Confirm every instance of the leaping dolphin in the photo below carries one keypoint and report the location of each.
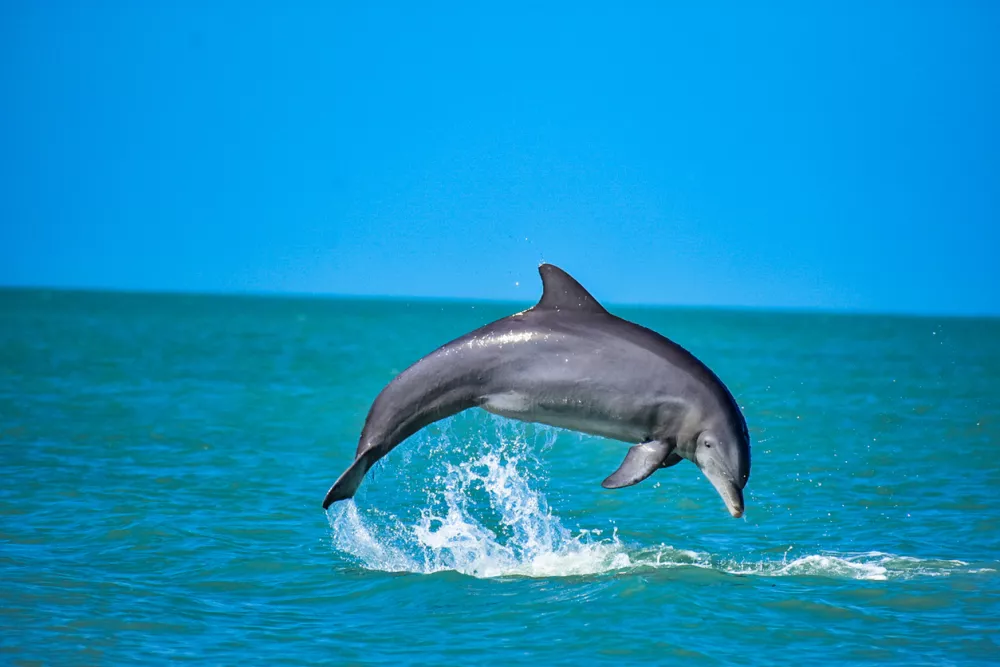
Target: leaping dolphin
(568, 362)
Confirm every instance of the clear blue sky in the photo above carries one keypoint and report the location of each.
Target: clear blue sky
(823, 155)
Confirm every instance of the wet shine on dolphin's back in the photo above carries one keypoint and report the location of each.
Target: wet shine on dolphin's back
(566, 358)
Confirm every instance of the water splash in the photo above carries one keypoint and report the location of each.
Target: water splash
(489, 520)
(488, 516)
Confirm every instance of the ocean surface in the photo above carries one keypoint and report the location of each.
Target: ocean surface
(164, 459)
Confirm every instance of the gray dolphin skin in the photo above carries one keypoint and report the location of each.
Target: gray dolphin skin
(568, 362)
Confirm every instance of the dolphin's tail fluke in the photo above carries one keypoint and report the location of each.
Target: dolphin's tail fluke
(347, 485)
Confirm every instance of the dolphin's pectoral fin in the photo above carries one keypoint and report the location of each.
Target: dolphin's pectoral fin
(641, 461)
(672, 459)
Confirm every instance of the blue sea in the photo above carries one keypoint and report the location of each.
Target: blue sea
(164, 459)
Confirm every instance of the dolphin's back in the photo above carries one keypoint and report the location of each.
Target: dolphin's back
(599, 374)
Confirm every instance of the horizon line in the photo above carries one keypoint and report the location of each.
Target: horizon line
(264, 294)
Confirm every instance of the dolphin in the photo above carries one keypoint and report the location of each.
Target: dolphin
(569, 363)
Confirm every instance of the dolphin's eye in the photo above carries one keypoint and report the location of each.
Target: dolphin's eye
(708, 444)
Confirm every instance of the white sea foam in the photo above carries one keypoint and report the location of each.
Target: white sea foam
(525, 539)
(872, 566)
(517, 534)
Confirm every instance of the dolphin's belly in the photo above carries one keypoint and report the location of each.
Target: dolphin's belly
(568, 414)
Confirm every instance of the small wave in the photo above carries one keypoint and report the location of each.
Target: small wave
(871, 566)
(490, 519)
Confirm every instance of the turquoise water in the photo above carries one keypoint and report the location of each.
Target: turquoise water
(164, 459)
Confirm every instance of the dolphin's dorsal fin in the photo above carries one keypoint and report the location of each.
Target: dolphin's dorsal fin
(560, 291)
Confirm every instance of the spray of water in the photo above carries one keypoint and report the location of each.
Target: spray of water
(487, 516)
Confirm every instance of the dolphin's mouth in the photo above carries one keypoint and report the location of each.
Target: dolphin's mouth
(731, 494)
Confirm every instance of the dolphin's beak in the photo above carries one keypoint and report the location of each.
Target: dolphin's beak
(731, 493)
